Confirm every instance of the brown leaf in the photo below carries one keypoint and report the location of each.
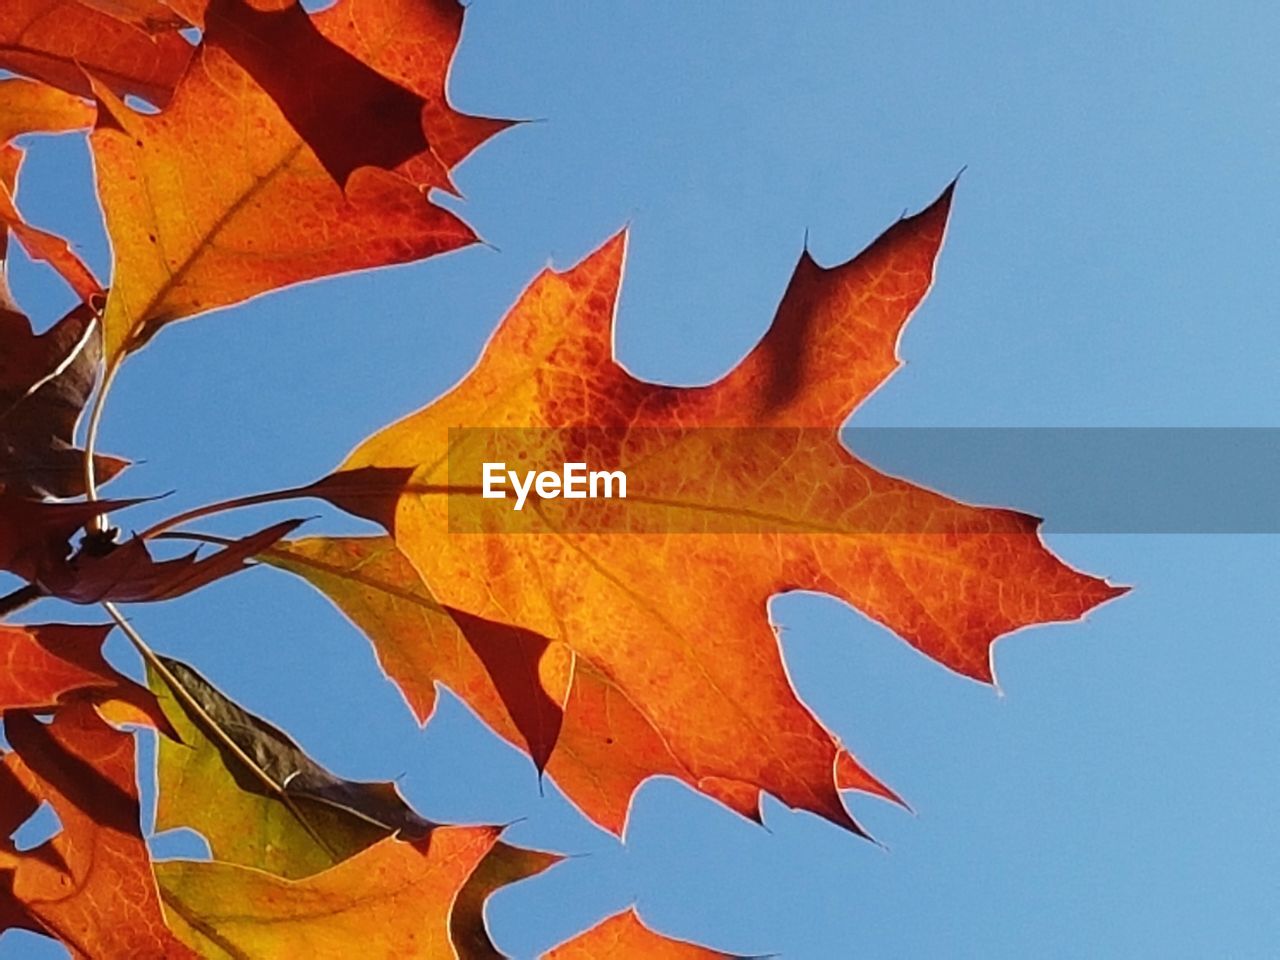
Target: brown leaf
(36, 535)
(63, 41)
(127, 573)
(91, 885)
(254, 794)
(44, 383)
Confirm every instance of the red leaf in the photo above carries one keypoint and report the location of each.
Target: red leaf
(91, 886)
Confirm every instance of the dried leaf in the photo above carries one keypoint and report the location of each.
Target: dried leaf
(256, 797)
(127, 573)
(676, 618)
(44, 383)
(36, 535)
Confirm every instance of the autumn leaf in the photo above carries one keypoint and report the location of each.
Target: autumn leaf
(127, 573)
(606, 746)
(675, 618)
(63, 42)
(91, 885)
(622, 937)
(149, 15)
(253, 794)
(349, 114)
(189, 236)
(44, 383)
(393, 900)
(35, 535)
(27, 106)
(44, 666)
(39, 244)
(502, 865)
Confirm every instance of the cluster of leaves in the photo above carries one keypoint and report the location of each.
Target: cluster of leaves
(609, 657)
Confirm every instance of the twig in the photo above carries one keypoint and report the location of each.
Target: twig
(24, 596)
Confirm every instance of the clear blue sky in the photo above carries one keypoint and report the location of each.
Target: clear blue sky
(1112, 260)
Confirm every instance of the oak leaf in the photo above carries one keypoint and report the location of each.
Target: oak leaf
(63, 42)
(91, 885)
(189, 235)
(36, 535)
(47, 665)
(27, 106)
(44, 383)
(127, 573)
(606, 746)
(253, 794)
(394, 900)
(622, 937)
(39, 244)
(675, 618)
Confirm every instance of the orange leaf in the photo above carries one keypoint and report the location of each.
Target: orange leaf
(27, 106)
(190, 235)
(412, 42)
(606, 747)
(43, 666)
(61, 41)
(674, 617)
(348, 113)
(393, 900)
(149, 15)
(622, 937)
(40, 244)
(91, 885)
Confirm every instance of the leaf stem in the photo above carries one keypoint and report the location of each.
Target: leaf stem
(252, 500)
(100, 522)
(211, 728)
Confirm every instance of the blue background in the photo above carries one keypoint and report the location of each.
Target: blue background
(1112, 260)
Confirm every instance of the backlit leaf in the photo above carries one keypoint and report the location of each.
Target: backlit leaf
(676, 617)
(622, 937)
(62, 42)
(391, 901)
(257, 798)
(43, 666)
(91, 885)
